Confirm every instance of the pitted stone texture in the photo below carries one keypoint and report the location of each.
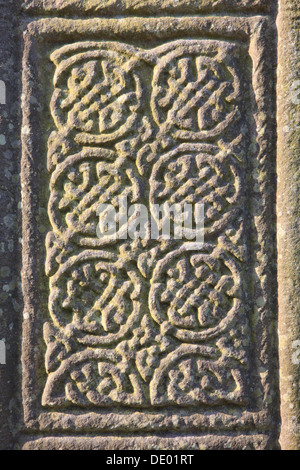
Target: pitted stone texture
(139, 7)
(192, 443)
(288, 221)
(100, 297)
(10, 221)
(149, 335)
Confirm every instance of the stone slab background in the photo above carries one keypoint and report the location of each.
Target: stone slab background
(11, 230)
(288, 220)
(13, 17)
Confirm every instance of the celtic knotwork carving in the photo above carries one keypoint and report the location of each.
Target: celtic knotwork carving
(97, 377)
(196, 90)
(145, 322)
(95, 89)
(189, 380)
(81, 183)
(96, 295)
(193, 174)
(197, 294)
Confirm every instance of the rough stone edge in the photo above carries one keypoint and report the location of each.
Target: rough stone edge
(191, 443)
(143, 7)
(288, 231)
(10, 221)
(288, 220)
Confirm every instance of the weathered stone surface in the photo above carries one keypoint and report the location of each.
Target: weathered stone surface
(151, 328)
(241, 442)
(288, 221)
(10, 223)
(148, 336)
(100, 7)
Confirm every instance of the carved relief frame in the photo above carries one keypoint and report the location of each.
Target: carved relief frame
(161, 370)
(253, 36)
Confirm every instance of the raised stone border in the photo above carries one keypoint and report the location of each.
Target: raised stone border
(288, 206)
(288, 248)
(144, 7)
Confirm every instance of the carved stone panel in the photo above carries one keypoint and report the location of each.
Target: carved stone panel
(124, 323)
(143, 335)
(156, 304)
